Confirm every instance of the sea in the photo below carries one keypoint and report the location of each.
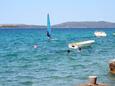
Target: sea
(49, 64)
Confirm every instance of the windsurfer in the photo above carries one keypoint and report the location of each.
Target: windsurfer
(49, 36)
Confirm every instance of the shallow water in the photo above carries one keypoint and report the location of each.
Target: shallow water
(50, 64)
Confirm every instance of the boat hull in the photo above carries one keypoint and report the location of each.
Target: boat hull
(100, 34)
(83, 44)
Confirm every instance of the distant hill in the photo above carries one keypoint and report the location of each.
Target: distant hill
(93, 24)
(21, 26)
(99, 24)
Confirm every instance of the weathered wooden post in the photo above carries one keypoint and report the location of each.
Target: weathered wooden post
(92, 80)
(112, 66)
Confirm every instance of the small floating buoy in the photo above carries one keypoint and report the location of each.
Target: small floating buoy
(112, 66)
(93, 82)
(68, 51)
(35, 46)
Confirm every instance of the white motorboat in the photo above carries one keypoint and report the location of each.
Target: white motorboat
(77, 45)
(100, 34)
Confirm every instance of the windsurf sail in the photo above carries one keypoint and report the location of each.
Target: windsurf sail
(48, 27)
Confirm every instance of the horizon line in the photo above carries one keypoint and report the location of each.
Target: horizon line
(53, 24)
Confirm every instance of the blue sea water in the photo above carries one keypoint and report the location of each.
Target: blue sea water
(50, 64)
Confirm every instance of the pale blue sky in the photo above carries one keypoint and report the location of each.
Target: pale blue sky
(35, 11)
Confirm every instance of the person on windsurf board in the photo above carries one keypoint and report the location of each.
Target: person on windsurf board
(48, 33)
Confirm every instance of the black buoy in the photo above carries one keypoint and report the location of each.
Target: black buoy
(68, 51)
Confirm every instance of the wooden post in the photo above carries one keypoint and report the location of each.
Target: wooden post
(112, 66)
(92, 80)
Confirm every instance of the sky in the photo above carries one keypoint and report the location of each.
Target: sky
(35, 11)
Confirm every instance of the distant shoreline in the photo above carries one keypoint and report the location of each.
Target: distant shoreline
(99, 24)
